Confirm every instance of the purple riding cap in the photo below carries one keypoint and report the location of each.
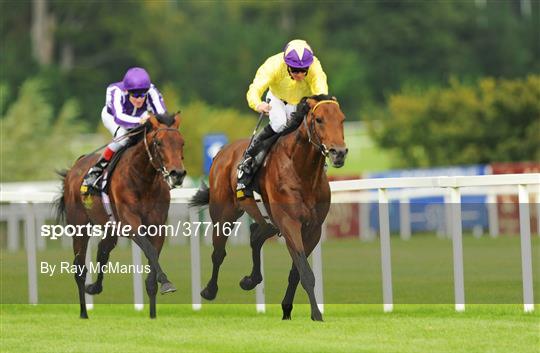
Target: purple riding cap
(119, 106)
(298, 54)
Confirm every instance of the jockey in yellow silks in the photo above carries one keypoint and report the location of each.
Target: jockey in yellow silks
(289, 76)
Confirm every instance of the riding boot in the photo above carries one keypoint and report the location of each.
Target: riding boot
(91, 179)
(248, 166)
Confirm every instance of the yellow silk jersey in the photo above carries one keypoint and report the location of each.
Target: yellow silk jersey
(273, 74)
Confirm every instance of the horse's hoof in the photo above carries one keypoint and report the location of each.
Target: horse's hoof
(93, 288)
(316, 316)
(287, 310)
(167, 287)
(209, 293)
(247, 283)
(84, 316)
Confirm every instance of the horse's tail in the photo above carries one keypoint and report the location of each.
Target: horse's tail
(201, 197)
(59, 202)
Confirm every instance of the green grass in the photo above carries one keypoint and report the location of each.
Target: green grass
(237, 328)
(424, 319)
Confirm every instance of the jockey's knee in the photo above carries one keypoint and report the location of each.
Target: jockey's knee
(278, 126)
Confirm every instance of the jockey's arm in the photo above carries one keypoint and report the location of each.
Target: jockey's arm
(260, 83)
(156, 100)
(118, 110)
(317, 78)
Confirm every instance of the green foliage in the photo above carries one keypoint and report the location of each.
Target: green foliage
(200, 119)
(210, 50)
(490, 121)
(34, 136)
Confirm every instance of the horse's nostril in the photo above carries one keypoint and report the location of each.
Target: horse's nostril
(178, 173)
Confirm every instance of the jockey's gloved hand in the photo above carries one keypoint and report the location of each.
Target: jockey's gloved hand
(263, 107)
(144, 118)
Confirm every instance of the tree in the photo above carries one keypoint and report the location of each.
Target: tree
(490, 121)
(33, 141)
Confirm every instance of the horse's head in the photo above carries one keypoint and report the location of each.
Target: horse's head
(165, 147)
(323, 123)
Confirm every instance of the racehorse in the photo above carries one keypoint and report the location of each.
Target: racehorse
(139, 195)
(295, 191)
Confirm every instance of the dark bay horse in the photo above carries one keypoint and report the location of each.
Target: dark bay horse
(295, 191)
(139, 195)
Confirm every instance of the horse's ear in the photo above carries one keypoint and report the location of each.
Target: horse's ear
(177, 119)
(153, 120)
(311, 102)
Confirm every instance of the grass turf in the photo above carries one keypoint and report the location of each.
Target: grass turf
(237, 328)
(422, 275)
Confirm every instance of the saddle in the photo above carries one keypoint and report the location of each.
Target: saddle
(108, 171)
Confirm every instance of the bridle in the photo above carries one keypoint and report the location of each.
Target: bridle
(161, 168)
(318, 143)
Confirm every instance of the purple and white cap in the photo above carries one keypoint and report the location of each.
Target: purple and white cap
(298, 54)
(136, 78)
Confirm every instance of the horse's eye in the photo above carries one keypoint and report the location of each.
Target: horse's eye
(318, 120)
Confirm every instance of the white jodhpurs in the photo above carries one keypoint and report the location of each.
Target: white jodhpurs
(279, 113)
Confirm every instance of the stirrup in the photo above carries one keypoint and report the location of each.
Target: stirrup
(89, 187)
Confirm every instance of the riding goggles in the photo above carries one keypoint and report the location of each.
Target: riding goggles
(298, 70)
(138, 93)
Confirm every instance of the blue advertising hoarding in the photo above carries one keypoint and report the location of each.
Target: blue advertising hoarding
(212, 144)
(428, 213)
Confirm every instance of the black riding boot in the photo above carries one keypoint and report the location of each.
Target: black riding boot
(248, 166)
(90, 181)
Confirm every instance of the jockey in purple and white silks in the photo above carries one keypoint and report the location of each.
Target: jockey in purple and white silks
(126, 106)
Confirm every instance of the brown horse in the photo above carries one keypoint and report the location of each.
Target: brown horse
(295, 191)
(139, 195)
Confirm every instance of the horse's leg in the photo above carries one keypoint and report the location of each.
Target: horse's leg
(287, 302)
(151, 279)
(146, 246)
(105, 247)
(228, 215)
(294, 277)
(259, 234)
(79, 249)
(293, 236)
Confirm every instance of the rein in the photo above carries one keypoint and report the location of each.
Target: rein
(318, 144)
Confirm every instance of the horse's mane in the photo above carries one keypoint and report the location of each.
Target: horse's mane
(303, 107)
(165, 118)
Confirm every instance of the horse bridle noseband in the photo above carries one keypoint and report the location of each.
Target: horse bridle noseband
(159, 158)
(321, 146)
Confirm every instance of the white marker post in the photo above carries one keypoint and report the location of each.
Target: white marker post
(526, 253)
(136, 256)
(259, 290)
(459, 287)
(195, 253)
(88, 298)
(318, 272)
(386, 262)
(30, 237)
